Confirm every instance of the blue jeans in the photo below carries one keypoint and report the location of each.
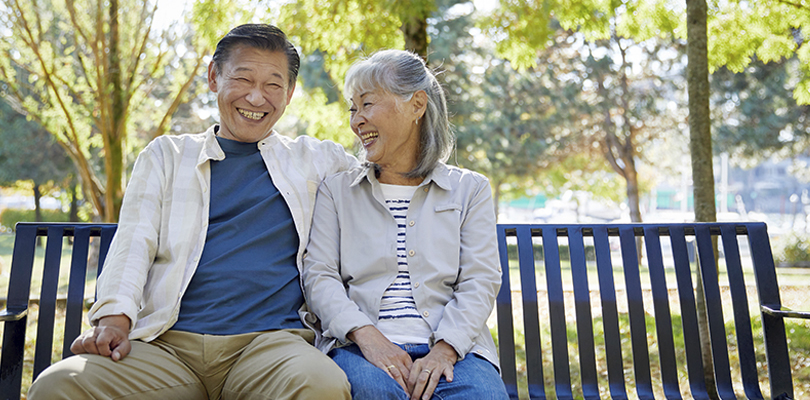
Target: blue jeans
(473, 377)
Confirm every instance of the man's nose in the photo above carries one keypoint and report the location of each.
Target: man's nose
(255, 97)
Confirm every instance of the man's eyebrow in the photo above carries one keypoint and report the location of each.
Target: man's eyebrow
(248, 69)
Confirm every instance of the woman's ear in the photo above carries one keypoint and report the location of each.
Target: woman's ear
(419, 102)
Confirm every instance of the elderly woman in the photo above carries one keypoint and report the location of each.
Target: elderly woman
(402, 262)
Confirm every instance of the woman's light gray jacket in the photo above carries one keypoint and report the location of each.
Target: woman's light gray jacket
(452, 256)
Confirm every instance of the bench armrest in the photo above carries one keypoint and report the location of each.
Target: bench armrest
(8, 315)
(784, 312)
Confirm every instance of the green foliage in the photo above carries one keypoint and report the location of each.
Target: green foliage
(755, 115)
(792, 248)
(582, 173)
(90, 75)
(324, 120)
(740, 32)
(10, 216)
(214, 18)
(28, 152)
(342, 29)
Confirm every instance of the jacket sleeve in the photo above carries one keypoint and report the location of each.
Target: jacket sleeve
(479, 278)
(132, 251)
(323, 285)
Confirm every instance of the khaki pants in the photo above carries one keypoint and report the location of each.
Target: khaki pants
(180, 365)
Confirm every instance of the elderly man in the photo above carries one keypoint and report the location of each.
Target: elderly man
(200, 295)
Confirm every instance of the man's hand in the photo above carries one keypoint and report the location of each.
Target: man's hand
(428, 370)
(378, 350)
(110, 338)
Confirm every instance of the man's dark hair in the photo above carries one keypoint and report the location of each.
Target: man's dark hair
(259, 36)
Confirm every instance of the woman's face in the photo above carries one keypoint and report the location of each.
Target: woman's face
(388, 127)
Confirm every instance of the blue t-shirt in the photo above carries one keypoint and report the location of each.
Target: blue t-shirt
(247, 278)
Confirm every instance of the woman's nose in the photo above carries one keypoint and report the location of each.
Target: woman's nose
(356, 121)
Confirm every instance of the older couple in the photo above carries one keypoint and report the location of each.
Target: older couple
(201, 294)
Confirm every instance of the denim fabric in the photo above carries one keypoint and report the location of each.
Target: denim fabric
(473, 377)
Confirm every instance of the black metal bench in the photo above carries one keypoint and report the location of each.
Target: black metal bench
(585, 247)
(674, 330)
(15, 316)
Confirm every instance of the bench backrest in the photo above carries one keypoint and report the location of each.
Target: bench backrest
(17, 301)
(596, 262)
(655, 318)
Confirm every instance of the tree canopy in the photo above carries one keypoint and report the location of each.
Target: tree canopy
(87, 71)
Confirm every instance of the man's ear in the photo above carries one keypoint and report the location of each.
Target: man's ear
(213, 74)
(419, 102)
(290, 92)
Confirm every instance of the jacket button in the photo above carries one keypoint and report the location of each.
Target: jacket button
(425, 189)
(412, 223)
(415, 285)
(411, 253)
(426, 314)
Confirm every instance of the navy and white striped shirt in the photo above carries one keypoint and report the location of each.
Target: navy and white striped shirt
(399, 319)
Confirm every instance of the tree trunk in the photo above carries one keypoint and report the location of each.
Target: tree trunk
(73, 214)
(37, 205)
(37, 209)
(114, 157)
(700, 147)
(415, 30)
(633, 199)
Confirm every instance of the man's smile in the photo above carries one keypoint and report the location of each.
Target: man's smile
(251, 114)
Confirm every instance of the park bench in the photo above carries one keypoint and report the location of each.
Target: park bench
(599, 262)
(649, 319)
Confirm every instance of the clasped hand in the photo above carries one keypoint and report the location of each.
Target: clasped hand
(110, 338)
(420, 377)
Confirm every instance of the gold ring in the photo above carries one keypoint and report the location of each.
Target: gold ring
(426, 370)
(390, 367)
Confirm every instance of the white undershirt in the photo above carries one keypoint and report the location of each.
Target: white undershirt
(399, 319)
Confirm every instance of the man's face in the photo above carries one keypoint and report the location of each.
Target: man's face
(252, 92)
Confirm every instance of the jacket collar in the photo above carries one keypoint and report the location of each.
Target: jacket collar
(212, 150)
(440, 175)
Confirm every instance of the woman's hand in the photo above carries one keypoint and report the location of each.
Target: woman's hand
(378, 350)
(427, 371)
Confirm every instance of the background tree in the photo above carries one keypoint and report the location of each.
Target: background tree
(29, 153)
(755, 115)
(86, 71)
(735, 32)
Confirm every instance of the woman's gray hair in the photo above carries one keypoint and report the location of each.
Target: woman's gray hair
(403, 73)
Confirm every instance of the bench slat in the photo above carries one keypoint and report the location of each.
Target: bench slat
(742, 321)
(531, 322)
(582, 303)
(689, 319)
(47, 299)
(610, 314)
(635, 308)
(714, 311)
(663, 317)
(76, 285)
(556, 311)
(506, 338)
(773, 327)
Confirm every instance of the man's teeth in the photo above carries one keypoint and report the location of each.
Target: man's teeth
(251, 114)
(368, 137)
